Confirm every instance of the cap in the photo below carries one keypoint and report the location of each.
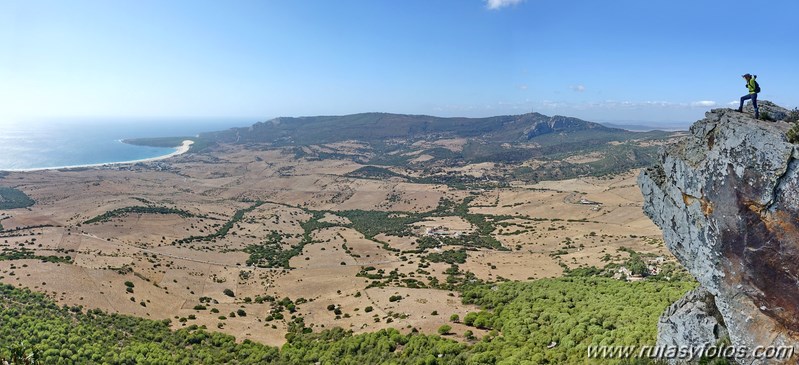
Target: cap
(746, 75)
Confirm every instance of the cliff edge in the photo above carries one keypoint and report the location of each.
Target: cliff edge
(727, 200)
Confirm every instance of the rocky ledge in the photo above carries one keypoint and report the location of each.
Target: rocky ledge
(727, 200)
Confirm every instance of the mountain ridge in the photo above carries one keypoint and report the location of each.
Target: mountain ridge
(525, 147)
(362, 127)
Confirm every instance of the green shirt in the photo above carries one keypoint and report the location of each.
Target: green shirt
(751, 85)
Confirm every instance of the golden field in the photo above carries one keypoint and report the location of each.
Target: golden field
(545, 226)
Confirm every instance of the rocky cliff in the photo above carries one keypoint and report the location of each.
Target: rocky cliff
(727, 200)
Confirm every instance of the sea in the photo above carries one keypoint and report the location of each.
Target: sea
(54, 143)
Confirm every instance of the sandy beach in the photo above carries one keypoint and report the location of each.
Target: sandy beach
(183, 148)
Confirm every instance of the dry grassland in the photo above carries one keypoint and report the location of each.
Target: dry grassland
(549, 227)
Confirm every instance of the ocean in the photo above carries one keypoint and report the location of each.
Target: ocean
(70, 142)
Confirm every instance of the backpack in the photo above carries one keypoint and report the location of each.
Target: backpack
(757, 86)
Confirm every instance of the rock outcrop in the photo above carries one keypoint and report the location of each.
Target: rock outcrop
(727, 200)
(693, 319)
(767, 108)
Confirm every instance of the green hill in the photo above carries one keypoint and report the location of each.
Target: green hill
(371, 127)
(388, 140)
(397, 139)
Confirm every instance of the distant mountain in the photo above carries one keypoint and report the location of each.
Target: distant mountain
(646, 128)
(382, 126)
(527, 147)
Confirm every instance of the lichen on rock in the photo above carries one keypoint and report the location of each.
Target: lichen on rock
(693, 319)
(727, 200)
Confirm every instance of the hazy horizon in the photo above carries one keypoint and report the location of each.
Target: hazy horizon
(615, 62)
(212, 124)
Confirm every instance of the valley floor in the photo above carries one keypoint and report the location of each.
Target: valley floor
(242, 240)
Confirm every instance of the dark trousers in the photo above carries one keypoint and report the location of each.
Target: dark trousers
(754, 103)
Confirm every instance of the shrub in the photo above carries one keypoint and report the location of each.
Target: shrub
(229, 293)
(454, 318)
(793, 116)
(793, 134)
(470, 318)
(444, 330)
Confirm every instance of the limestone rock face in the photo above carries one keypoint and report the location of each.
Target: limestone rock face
(692, 320)
(774, 111)
(727, 200)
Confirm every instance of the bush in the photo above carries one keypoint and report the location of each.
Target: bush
(229, 293)
(444, 330)
(793, 134)
(470, 318)
(793, 116)
(454, 318)
(469, 335)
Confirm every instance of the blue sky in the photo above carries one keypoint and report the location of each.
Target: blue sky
(617, 60)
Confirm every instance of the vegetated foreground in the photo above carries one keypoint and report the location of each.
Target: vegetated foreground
(257, 242)
(544, 321)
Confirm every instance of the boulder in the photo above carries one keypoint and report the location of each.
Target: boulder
(693, 320)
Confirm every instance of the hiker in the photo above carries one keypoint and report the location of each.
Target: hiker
(754, 88)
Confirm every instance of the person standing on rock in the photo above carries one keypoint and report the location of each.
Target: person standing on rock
(754, 88)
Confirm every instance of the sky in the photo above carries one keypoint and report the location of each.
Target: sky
(627, 61)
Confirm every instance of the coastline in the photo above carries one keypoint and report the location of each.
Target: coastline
(183, 148)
